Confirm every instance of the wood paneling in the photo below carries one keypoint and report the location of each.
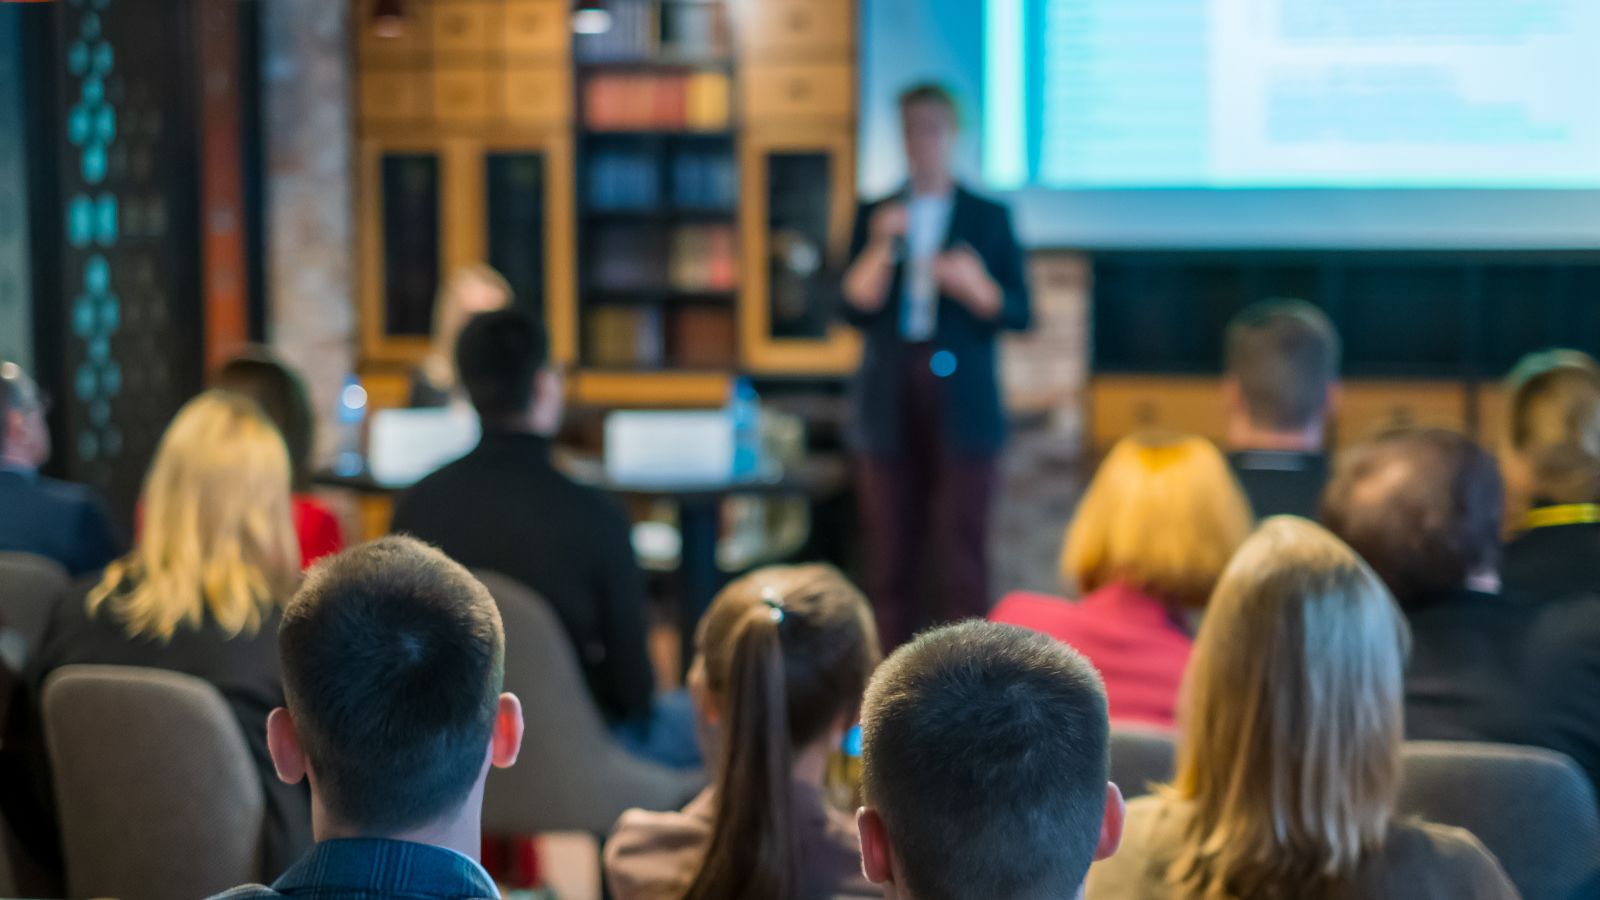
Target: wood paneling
(466, 29)
(394, 96)
(1368, 407)
(666, 389)
(465, 95)
(1122, 405)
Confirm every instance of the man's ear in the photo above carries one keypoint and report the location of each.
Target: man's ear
(877, 857)
(507, 740)
(1232, 396)
(1335, 403)
(283, 745)
(1111, 825)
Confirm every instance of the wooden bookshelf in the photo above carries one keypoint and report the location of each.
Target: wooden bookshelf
(667, 196)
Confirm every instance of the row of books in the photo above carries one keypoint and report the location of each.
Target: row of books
(631, 180)
(687, 258)
(616, 101)
(633, 337)
(703, 258)
(651, 29)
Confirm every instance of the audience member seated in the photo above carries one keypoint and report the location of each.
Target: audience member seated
(54, 519)
(1550, 453)
(1154, 530)
(985, 766)
(1281, 376)
(782, 658)
(506, 507)
(468, 291)
(282, 396)
(393, 658)
(1289, 752)
(202, 589)
(1424, 507)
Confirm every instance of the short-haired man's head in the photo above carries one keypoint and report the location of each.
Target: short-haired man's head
(393, 660)
(1284, 356)
(1423, 507)
(1177, 486)
(499, 356)
(930, 93)
(18, 394)
(985, 754)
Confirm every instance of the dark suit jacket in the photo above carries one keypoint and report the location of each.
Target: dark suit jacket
(506, 508)
(975, 417)
(1553, 562)
(1489, 668)
(244, 669)
(1280, 483)
(362, 868)
(56, 519)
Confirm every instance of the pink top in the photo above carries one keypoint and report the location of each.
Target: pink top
(1140, 650)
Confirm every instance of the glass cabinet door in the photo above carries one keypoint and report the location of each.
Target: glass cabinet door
(798, 198)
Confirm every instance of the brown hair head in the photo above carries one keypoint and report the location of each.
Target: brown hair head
(1422, 506)
(784, 654)
(259, 375)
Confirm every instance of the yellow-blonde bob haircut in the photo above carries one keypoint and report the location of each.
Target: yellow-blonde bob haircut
(1290, 721)
(1163, 514)
(216, 534)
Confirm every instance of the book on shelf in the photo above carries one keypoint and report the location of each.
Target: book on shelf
(624, 180)
(627, 257)
(632, 35)
(627, 101)
(702, 258)
(624, 337)
(703, 338)
(703, 179)
(695, 29)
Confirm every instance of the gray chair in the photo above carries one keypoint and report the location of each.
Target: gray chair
(1533, 808)
(29, 588)
(1141, 756)
(571, 776)
(155, 788)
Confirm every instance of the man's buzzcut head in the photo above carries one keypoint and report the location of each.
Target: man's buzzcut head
(393, 660)
(1284, 355)
(985, 753)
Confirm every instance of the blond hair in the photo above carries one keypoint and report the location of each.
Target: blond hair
(449, 317)
(216, 535)
(1551, 439)
(1163, 514)
(1291, 720)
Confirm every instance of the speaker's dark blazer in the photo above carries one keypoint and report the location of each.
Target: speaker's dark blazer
(964, 345)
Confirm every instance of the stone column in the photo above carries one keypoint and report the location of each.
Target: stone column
(307, 78)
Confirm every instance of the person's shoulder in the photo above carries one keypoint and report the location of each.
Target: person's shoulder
(1138, 869)
(1452, 853)
(982, 201)
(655, 854)
(247, 892)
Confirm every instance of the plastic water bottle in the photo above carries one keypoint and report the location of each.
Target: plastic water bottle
(349, 462)
(744, 410)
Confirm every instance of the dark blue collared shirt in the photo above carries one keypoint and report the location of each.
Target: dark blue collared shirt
(371, 868)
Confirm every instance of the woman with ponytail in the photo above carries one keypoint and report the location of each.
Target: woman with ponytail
(782, 658)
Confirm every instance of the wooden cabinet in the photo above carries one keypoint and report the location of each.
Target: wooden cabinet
(464, 95)
(394, 97)
(789, 29)
(431, 205)
(798, 198)
(801, 93)
(536, 30)
(538, 96)
(465, 28)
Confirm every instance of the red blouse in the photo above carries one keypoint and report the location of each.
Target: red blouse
(1140, 650)
(317, 529)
